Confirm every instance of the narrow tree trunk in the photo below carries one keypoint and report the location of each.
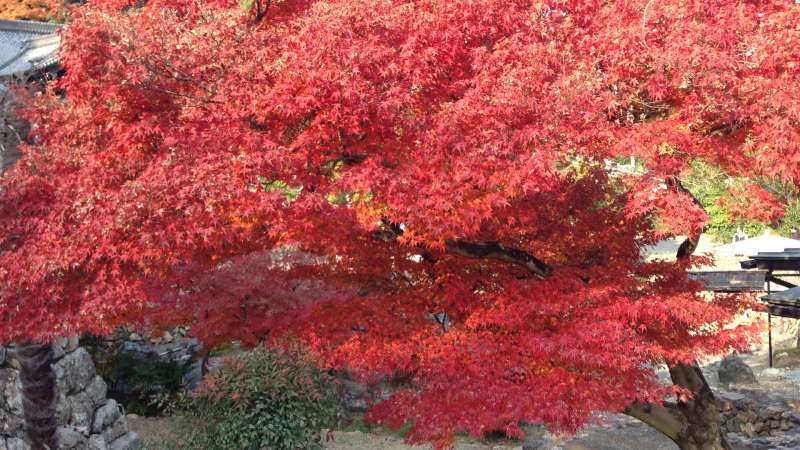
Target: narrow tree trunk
(38, 394)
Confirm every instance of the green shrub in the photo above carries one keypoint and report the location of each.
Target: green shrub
(264, 399)
(709, 184)
(791, 220)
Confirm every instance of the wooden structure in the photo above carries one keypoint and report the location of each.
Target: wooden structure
(28, 53)
(778, 266)
(27, 48)
(731, 280)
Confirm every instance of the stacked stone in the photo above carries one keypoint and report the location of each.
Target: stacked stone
(86, 419)
(757, 424)
(740, 414)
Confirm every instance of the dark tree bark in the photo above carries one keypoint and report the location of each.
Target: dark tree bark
(38, 394)
(702, 430)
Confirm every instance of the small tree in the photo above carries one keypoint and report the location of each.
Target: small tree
(433, 172)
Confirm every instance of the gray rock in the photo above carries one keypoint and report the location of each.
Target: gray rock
(355, 396)
(182, 350)
(11, 359)
(771, 372)
(97, 442)
(105, 416)
(11, 391)
(193, 376)
(58, 351)
(74, 371)
(97, 391)
(64, 345)
(731, 396)
(732, 370)
(17, 444)
(63, 408)
(792, 375)
(81, 412)
(70, 438)
(772, 411)
(534, 436)
(138, 350)
(128, 441)
(11, 425)
(117, 429)
(72, 344)
(3, 353)
(7, 376)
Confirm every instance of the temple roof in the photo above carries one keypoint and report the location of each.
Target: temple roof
(27, 47)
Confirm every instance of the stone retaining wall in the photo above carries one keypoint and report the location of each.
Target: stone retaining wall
(86, 419)
(757, 422)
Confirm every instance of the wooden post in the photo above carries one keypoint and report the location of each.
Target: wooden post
(769, 322)
(769, 331)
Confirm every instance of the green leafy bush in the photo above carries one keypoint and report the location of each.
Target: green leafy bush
(709, 184)
(264, 399)
(791, 220)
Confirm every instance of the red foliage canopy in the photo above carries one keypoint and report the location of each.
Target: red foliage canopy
(413, 187)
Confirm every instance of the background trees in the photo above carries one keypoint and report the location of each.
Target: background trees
(413, 188)
(24, 9)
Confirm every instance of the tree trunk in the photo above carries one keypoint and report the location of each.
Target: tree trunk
(38, 394)
(702, 430)
(692, 424)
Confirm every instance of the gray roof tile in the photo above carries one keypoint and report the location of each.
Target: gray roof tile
(27, 46)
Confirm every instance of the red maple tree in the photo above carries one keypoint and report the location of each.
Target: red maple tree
(417, 188)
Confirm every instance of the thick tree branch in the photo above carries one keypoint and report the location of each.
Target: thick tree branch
(477, 250)
(665, 419)
(261, 10)
(675, 183)
(689, 245)
(495, 250)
